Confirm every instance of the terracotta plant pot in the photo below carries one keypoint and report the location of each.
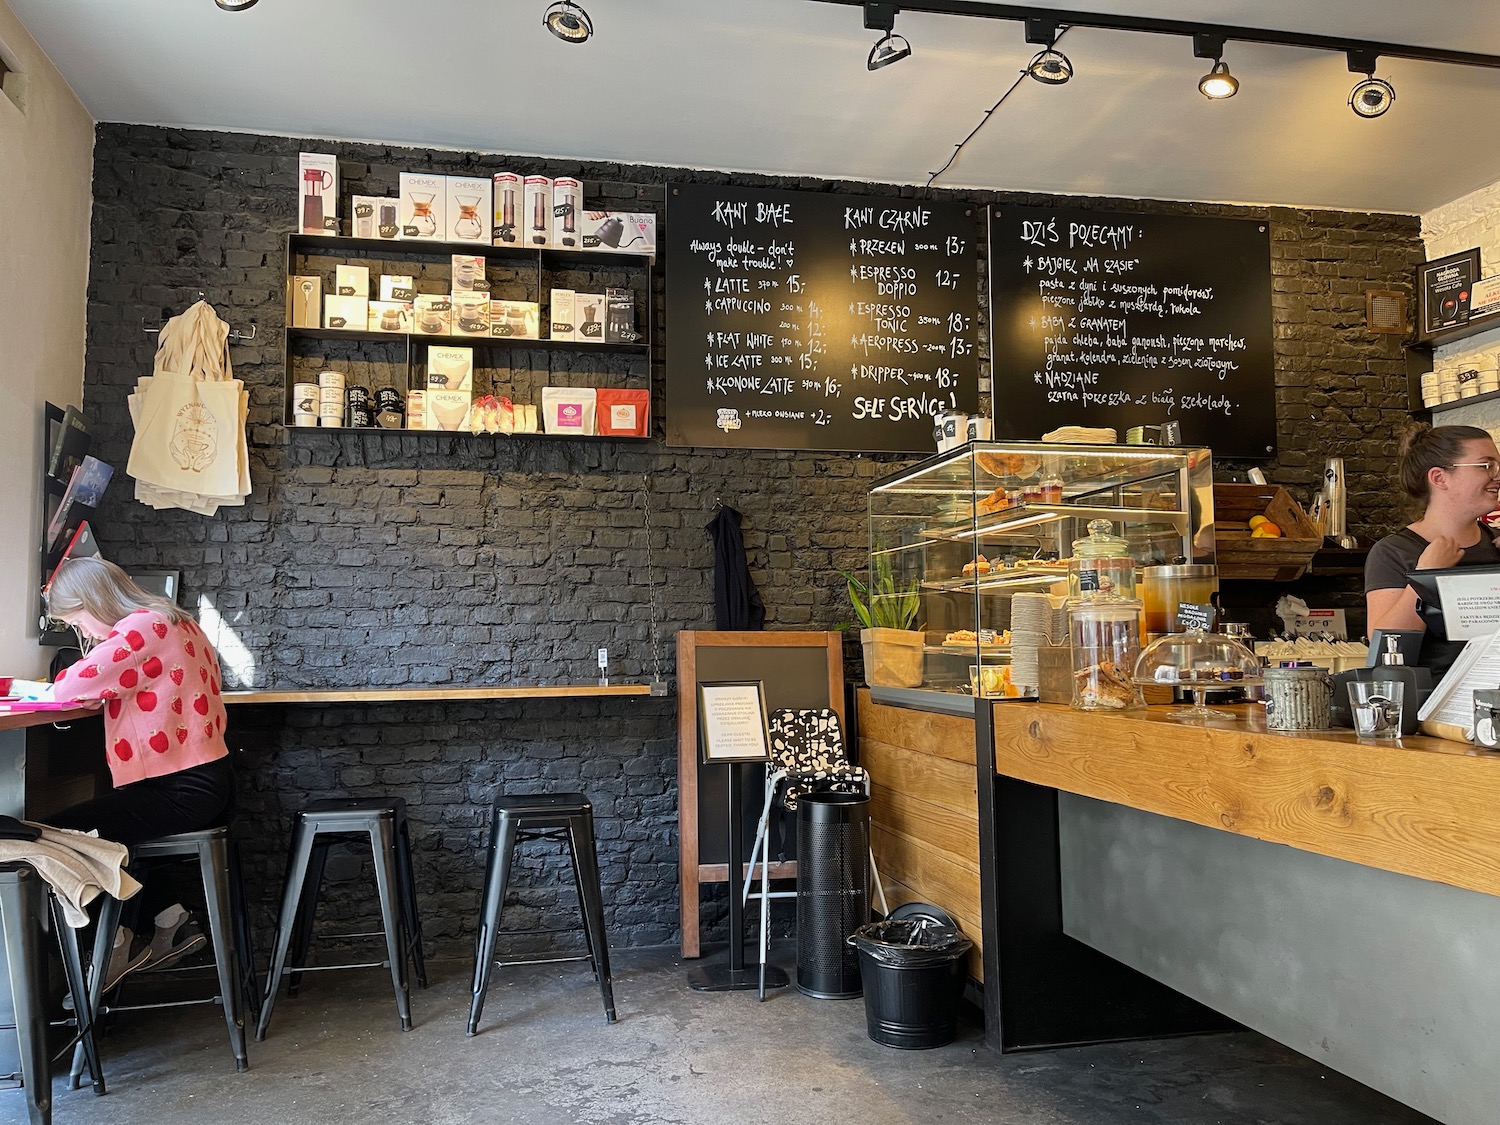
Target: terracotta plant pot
(893, 657)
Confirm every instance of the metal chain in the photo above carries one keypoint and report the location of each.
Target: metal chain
(651, 584)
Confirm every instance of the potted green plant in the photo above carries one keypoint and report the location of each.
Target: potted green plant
(887, 612)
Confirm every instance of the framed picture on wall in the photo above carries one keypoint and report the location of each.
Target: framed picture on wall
(1445, 289)
(732, 721)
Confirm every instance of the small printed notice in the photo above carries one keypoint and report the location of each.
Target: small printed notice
(1193, 616)
(732, 721)
(1470, 601)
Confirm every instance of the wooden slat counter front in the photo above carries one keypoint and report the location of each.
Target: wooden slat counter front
(1418, 806)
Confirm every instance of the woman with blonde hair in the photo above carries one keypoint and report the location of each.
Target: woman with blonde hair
(159, 681)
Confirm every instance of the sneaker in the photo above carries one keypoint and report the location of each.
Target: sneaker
(128, 955)
(170, 946)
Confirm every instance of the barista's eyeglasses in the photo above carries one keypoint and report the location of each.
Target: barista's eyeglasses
(1489, 465)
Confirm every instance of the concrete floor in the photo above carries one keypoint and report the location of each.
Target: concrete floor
(545, 1056)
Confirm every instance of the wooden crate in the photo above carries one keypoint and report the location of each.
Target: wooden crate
(1240, 556)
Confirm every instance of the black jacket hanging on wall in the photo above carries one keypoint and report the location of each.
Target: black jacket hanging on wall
(737, 603)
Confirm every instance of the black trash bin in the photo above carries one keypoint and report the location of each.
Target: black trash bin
(833, 891)
(913, 970)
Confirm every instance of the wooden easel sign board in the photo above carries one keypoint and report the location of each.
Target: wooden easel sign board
(795, 669)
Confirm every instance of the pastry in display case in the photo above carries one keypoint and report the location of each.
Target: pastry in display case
(974, 526)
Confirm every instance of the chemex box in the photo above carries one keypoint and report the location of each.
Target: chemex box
(424, 203)
(450, 369)
(509, 195)
(318, 192)
(469, 209)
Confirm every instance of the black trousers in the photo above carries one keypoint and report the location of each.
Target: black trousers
(185, 801)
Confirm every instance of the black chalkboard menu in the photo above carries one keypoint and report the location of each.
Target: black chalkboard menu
(797, 320)
(1117, 320)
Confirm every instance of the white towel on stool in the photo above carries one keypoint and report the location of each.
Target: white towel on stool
(77, 866)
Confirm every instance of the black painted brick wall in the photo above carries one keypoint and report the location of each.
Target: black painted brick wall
(388, 559)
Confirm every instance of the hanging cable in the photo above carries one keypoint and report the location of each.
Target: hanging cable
(958, 148)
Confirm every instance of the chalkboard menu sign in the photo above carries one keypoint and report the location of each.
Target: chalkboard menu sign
(798, 320)
(1119, 320)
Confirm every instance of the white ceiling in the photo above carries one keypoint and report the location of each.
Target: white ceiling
(780, 86)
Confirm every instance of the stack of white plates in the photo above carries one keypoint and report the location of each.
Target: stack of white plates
(1081, 435)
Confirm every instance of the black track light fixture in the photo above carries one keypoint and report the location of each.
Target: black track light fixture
(568, 22)
(1049, 65)
(235, 5)
(1218, 83)
(891, 47)
(1371, 96)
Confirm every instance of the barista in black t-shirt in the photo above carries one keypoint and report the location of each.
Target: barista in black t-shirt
(1454, 472)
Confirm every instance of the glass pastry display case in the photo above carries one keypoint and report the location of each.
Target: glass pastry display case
(971, 528)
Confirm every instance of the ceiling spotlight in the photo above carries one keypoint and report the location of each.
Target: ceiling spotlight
(568, 22)
(1048, 65)
(891, 47)
(1218, 83)
(235, 5)
(1371, 96)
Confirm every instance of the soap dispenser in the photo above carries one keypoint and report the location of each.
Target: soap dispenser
(1392, 669)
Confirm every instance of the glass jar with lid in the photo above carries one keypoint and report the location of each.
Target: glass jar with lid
(1101, 568)
(1106, 639)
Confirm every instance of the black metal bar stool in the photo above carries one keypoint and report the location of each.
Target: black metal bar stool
(22, 896)
(566, 817)
(314, 830)
(228, 927)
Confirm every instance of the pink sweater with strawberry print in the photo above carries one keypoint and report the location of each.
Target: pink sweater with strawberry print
(160, 687)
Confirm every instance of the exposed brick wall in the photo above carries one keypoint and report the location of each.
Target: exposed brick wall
(389, 559)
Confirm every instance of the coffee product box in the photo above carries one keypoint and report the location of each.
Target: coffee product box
(471, 314)
(508, 199)
(351, 281)
(518, 320)
(450, 369)
(304, 301)
(397, 287)
(448, 410)
(621, 232)
(390, 316)
(318, 193)
(537, 214)
(432, 314)
(375, 217)
(469, 211)
(567, 211)
(424, 207)
(619, 317)
(468, 274)
(588, 317)
(349, 313)
(560, 315)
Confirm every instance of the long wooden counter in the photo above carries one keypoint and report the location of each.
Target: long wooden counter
(1418, 806)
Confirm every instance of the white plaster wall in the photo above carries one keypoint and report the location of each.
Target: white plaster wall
(46, 182)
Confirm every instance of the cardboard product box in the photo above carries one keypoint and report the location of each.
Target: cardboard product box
(471, 314)
(348, 313)
(619, 317)
(508, 202)
(317, 193)
(623, 232)
(450, 369)
(536, 218)
(424, 207)
(517, 320)
(560, 315)
(432, 315)
(567, 211)
(468, 274)
(469, 210)
(351, 281)
(588, 317)
(375, 217)
(448, 410)
(390, 316)
(304, 301)
(397, 287)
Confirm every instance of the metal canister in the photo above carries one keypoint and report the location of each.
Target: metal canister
(1297, 696)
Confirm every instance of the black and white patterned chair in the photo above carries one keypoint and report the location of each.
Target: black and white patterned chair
(807, 756)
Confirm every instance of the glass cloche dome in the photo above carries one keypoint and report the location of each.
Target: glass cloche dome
(1199, 662)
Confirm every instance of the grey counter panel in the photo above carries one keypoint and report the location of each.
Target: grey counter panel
(1392, 980)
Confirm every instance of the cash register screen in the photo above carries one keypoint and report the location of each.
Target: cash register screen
(1468, 596)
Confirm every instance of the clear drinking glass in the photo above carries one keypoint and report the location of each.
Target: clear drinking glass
(1376, 705)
